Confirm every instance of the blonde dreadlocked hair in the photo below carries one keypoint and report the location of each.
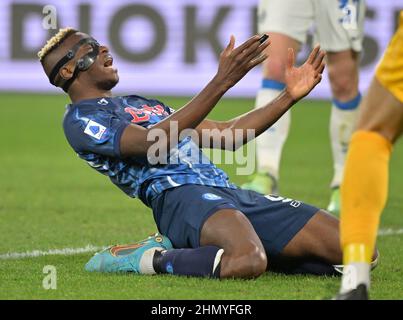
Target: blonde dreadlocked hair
(55, 41)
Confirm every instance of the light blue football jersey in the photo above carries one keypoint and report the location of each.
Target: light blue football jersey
(94, 127)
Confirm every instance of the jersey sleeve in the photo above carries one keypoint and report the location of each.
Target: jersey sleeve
(96, 132)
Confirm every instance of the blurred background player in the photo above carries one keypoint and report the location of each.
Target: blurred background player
(339, 30)
(365, 186)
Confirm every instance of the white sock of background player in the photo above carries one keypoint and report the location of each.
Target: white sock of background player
(269, 145)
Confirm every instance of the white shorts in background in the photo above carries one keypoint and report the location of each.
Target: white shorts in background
(338, 24)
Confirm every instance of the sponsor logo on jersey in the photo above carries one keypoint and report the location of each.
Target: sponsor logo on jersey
(211, 196)
(95, 129)
(144, 112)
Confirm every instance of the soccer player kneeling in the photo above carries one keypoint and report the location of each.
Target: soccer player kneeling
(210, 226)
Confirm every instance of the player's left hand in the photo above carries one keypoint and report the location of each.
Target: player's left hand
(301, 80)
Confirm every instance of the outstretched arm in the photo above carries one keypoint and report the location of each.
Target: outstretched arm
(299, 82)
(234, 64)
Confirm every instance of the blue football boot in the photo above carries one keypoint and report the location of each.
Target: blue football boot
(130, 257)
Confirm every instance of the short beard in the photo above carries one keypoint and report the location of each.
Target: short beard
(106, 85)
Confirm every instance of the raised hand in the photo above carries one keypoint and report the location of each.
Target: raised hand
(301, 80)
(234, 64)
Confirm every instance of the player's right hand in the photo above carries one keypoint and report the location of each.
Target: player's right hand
(301, 80)
(234, 64)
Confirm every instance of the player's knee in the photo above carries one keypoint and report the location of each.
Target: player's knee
(275, 70)
(344, 84)
(258, 264)
(248, 265)
(344, 87)
(253, 264)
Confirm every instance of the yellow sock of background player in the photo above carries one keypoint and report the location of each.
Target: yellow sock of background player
(364, 192)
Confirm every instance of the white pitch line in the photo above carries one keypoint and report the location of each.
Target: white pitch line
(51, 252)
(390, 232)
(91, 248)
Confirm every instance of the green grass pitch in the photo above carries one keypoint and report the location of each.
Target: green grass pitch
(50, 199)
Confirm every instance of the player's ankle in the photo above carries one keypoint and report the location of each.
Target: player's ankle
(355, 274)
(357, 252)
